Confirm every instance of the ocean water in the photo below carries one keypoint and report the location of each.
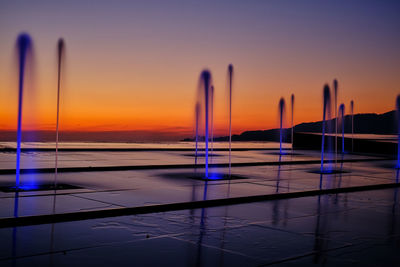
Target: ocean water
(139, 145)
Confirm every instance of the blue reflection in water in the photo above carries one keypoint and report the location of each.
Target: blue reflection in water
(278, 177)
(14, 234)
(215, 176)
(202, 228)
(30, 182)
(29, 187)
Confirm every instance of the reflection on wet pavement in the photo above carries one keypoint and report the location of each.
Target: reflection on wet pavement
(356, 228)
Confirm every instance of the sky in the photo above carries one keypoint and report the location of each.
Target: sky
(135, 65)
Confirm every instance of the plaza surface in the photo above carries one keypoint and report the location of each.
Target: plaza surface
(277, 210)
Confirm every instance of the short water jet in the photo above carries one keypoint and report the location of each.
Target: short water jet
(341, 116)
(352, 124)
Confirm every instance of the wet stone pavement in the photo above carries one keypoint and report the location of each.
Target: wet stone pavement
(330, 229)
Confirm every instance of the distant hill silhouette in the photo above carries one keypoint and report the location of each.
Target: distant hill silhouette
(370, 123)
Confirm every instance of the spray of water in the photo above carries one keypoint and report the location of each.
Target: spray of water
(341, 115)
(325, 117)
(197, 115)
(292, 119)
(60, 55)
(230, 77)
(352, 124)
(24, 46)
(335, 88)
(398, 130)
(205, 85)
(281, 114)
(212, 120)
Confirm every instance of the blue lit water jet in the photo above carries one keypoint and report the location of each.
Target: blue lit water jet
(230, 77)
(341, 116)
(325, 118)
(212, 120)
(24, 46)
(398, 130)
(60, 54)
(292, 119)
(205, 84)
(281, 114)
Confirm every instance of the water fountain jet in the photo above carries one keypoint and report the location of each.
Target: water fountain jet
(24, 46)
(352, 124)
(230, 77)
(60, 54)
(197, 114)
(292, 119)
(398, 130)
(205, 84)
(341, 115)
(335, 88)
(325, 118)
(281, 114)
(212, 120)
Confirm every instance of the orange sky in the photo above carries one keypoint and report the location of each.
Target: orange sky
(141, 73)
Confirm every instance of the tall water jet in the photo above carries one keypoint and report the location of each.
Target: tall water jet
(398, 130)
(281, 114)
(205, 82)
(212, 120)
(341, 115)
(325, 117)
(60, 54)
(335, 88)
(24, 46)
(352, 124)
(292, 119)
(197, 115)
(230, 77)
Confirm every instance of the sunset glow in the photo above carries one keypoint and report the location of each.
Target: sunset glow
(135, 66)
